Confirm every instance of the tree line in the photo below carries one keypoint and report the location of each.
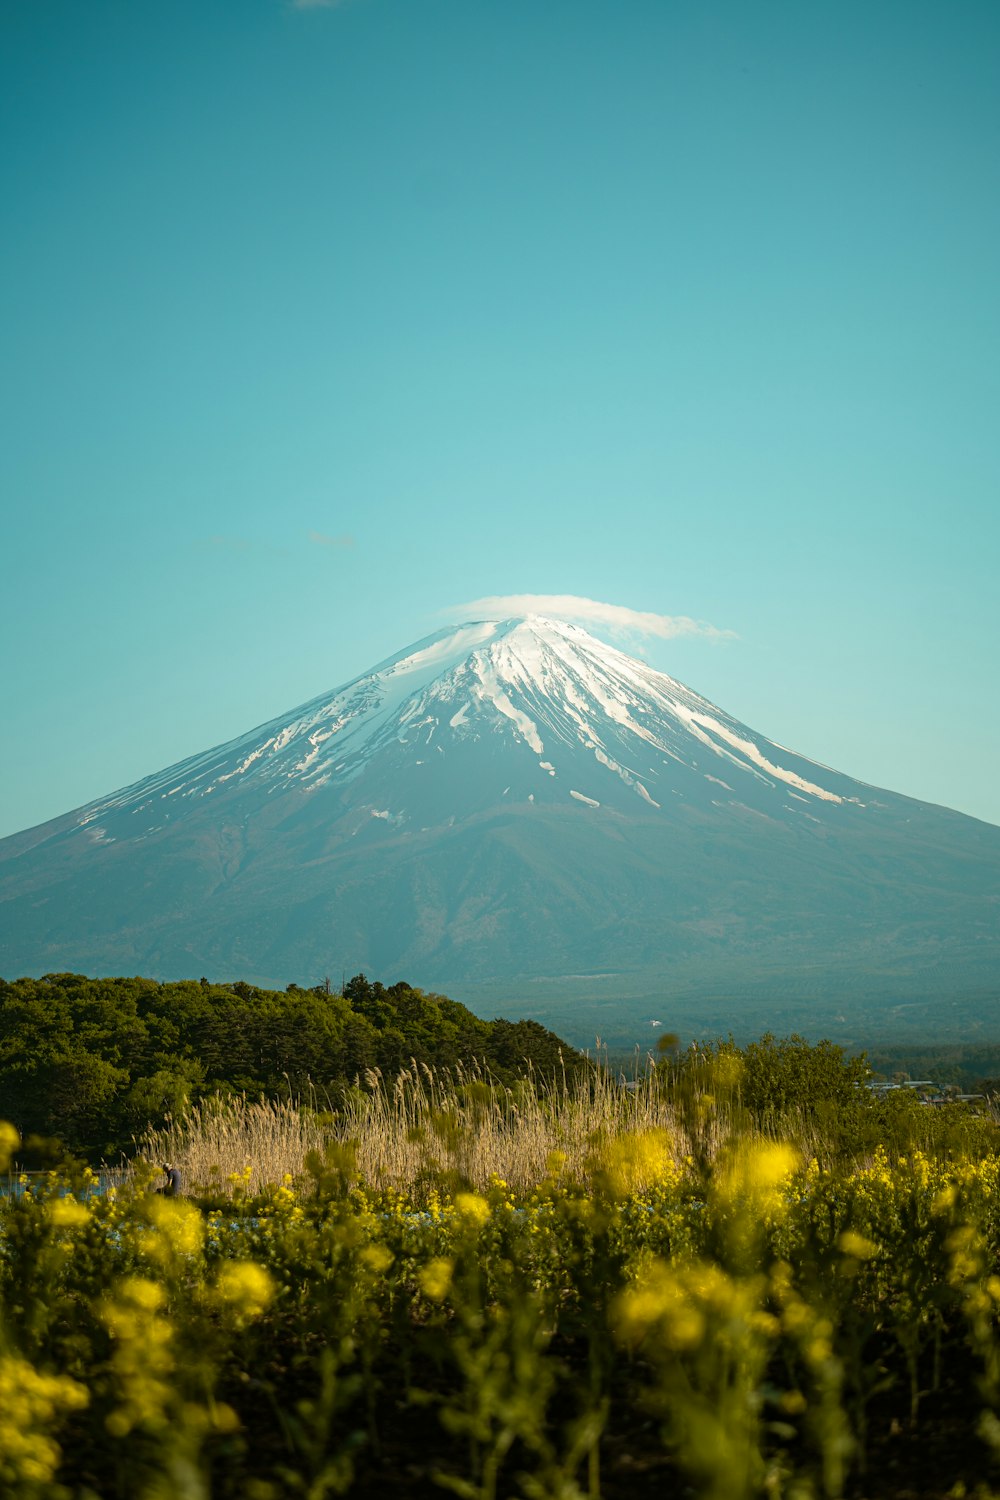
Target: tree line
(94, 1061)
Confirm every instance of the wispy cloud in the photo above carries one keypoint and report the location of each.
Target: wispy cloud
(617, 618)
(319, 539)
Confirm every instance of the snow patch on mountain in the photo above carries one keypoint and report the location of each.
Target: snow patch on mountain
(747, 748)
(492, 693)
(581, 798)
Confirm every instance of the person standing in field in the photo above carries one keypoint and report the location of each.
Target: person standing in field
(174, 1186)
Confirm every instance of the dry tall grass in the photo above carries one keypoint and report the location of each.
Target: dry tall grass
(422, 1127)
(407, 1131)
(219, 1139)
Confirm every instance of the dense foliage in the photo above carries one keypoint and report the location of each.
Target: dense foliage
(742, 1275)
(685, 1307)
(92, 1061)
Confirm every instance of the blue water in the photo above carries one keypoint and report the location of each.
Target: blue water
(17, 1184)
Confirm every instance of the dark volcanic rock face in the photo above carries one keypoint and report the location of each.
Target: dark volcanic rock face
(505, 801)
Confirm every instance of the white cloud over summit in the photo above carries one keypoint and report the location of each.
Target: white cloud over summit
(617, 618)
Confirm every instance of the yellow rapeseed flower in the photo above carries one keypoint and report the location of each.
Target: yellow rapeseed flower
(818, 1351)
(945, 1199)
(141, 1292)
(377, 1258)
(67, 1213)
(179, 1225)
(965, 1247)
(768, 1166)
(137, 1298)
(142, 1359)
(30, 1405)
(9, 1142)
(246, 1286)
(435, 1278)
(637, 1160)
(754, 1175)
(854, 1244)
(472, 1209)
(662, 1299)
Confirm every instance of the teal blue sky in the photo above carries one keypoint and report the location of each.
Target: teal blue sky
(320, 321)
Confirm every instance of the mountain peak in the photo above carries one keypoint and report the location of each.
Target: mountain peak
(501, 797)
(544, 695)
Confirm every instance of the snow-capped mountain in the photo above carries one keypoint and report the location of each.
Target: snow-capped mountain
(502, 800)
(546, 702)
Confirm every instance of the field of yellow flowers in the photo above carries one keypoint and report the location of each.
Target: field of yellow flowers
(660, 1311)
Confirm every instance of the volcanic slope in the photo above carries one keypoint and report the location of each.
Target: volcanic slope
(506, 802)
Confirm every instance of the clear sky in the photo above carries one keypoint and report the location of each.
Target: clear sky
(319, 321)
